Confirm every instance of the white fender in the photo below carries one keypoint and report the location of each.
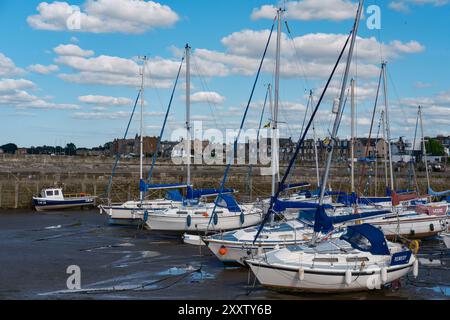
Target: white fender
(383, 275)
(260, 251)
(416, 268)
(348, 277)
(301, 273)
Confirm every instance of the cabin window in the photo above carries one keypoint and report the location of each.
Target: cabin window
(361, 241)
(50, 193)
(182, 212)
(56, 192)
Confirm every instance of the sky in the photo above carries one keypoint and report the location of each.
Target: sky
(70, 70)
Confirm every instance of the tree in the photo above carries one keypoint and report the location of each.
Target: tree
(434, 147)
(9, 148)
(70, 149)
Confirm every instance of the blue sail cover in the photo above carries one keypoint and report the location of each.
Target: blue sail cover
(144, 187)
(174, 195)
(281, 205)
(352, 198)
(228, 201)
(355, 236)
(322, 222)
(295, 185)
(197, 193)
(437, 194)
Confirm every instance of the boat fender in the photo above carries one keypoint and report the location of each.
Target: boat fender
(416, 268)
(215, 219)
(301, 273)
(260, 251)
(223, 251)
(431, 227)
(242, 218)
(384, 275)
(348, 277)
(188, 220)
(414, 246)
(145, 216)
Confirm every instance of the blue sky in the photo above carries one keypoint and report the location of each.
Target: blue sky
(59, 85)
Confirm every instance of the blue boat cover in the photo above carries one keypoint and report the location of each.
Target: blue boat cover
(228, 201)
(197, 193)
(349, 199)
(174, 195)
(437, 194)
(366, 237)
(295, 185)
(322, 222)
(281, 205)
(144, 187)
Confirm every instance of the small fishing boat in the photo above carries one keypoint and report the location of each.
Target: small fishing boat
(361, 259)
(54, 199)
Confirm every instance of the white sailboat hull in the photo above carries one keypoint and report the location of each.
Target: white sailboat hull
(415, 227)
(199, 223)
(317, 280)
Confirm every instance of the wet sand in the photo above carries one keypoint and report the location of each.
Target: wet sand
(127, 263)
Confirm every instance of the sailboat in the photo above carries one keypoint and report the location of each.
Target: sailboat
(128, 213)
(235, 247)
(360, 259)
(192, 215)
(413, 219)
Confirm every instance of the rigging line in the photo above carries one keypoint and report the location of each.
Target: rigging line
(262, 116)
(205, 87)
(300, 142)
(298, 61)
(116, 161)
(366, 151)
(222, 185)
(158, 145)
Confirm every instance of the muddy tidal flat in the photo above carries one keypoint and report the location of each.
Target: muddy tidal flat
(129, 263)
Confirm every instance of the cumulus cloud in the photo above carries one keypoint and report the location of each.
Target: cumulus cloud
(103, 16)
(405, 5)
(8, 85)
(13, 94)
(42, 69)
(8, 68)
(105, 100)
(207, 97)
(109, 115)
(72, 50)
(310, 10)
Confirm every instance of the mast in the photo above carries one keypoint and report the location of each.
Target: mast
(424, 149)
(141, 138)
(340, 105)
(316, 155)
(385, 150)
(274, 142)
(388, 129)
(188, 114)
(352, 141)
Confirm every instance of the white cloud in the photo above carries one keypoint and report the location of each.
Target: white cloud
(72, 50)
(404, 5)
(310, 10)
(9, 85)
(105, 100)
(8, 68)
(207, 97)
(109, 115)
(42, 69)
(103, 16)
